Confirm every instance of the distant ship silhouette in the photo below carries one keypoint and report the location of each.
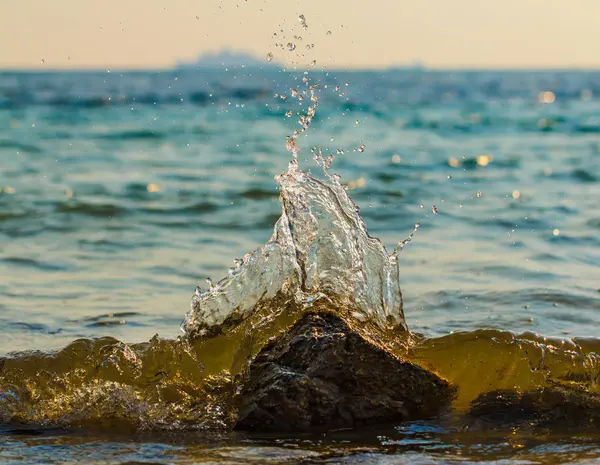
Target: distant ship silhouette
(227, 59)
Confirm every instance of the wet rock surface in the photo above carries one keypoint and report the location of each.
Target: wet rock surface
(322, 375)
(555, 407)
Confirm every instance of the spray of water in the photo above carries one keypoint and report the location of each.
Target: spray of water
(320, 249)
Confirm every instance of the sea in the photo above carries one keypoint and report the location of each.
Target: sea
(121, 192)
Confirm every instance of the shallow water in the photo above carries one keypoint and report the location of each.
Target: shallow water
(418, 443)
(122, 192)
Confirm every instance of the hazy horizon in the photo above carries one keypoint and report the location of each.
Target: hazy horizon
(195, 63)
(462, 34)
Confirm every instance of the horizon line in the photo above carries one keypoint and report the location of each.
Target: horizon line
(282, 68)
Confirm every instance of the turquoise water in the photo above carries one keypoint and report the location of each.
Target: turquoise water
(123, 191)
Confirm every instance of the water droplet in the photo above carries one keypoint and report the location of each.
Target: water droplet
(434, 210)
(269, 56)
(401, 244)
(291, 146)
(302, 20)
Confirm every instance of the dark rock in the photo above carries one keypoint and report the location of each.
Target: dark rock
(564, 407)
(322, 375)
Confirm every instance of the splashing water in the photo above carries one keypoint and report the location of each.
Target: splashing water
(320, 248)
(302, 20)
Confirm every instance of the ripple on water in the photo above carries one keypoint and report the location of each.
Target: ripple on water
(110, 319)
(172, 210)
(99, 210)
(19, 146)
(133, 135)
(37, 264)
(257, 193)
(584, 175)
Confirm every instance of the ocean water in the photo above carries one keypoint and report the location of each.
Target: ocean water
(122, 192)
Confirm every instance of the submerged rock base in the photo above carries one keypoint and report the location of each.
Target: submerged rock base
(555, 407)
(322, 375)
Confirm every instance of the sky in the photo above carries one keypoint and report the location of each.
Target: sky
(149, 34)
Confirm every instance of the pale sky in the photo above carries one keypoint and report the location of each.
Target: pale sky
(134, 34)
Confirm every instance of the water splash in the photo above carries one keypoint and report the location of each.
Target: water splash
(302, 20)
(305, 118)
(182, 384)
(320, 248)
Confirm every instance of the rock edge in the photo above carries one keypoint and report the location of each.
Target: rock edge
(322, 375)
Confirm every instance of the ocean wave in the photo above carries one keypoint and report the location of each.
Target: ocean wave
(104, 210)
